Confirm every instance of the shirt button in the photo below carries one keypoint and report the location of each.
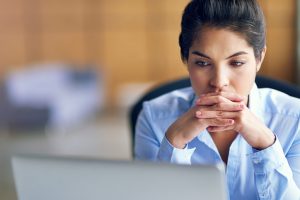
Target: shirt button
(256, 161)
(263, 194)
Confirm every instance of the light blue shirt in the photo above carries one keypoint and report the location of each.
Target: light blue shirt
(272, 173)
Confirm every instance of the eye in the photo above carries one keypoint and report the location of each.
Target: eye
(236, 63)
(202, 63)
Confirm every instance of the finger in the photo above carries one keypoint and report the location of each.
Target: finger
(217, 122)
(220, 128)
(206, 114)
(229, 95)
(211, 100)
(227, 107)
(223, 107)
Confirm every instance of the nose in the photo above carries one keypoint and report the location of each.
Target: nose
(219, 79)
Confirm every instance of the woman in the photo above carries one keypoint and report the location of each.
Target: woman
(224, 117)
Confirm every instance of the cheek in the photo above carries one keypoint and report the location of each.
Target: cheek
(244, 80)
(199, 80)
(195, 77)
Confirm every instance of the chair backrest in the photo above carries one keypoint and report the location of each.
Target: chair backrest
(261, 81)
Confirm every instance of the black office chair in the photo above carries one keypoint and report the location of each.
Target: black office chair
(261, 81)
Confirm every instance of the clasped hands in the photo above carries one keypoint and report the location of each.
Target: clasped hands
(220, 112)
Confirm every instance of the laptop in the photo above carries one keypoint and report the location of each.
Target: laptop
(70, 178)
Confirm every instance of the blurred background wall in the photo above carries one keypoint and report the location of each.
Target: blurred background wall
(130, 41)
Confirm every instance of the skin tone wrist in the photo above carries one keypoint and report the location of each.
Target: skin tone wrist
(175, 141)
(266, 140)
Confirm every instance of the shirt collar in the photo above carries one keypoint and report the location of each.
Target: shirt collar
(255, 104)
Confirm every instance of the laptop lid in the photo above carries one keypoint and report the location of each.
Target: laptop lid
(61, 178)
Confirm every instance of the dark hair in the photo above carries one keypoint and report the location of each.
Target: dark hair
(241, 16)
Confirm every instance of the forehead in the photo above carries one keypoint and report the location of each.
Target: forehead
(210, 38)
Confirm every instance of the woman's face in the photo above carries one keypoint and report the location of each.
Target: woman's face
(222, 60)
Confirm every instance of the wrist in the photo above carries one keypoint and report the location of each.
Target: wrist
(175, 140)
(266, 141)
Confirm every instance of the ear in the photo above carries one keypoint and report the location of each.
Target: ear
(262, 56)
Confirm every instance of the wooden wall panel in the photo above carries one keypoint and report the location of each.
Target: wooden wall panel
(53, 22)
(165, 51)
(281, 54)
(62, 7)
(125, 59)
(130, 40)
(175, 67)
(64, 46)
(12, 51)
(12, 22)
(11, 8)
(280, 61)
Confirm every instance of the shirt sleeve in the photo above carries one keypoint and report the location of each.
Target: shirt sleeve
(149, 147)
(274, 175)
(169, 153)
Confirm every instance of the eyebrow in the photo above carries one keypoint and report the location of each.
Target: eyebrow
(205, 56)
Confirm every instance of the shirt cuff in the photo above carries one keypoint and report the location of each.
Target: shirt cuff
(169, 153)
(268, 159)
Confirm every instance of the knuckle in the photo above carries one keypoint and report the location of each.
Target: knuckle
(238, 127)
(221, 93)
(241, 116)
(218, 106)
(210, 121)
(218, 121)
(237, 106)
(200, 121)
(201, 109)
(219, 99)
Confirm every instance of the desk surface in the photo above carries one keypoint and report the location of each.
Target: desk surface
(106, 136)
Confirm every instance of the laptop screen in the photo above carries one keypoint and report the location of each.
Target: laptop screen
(48, 178)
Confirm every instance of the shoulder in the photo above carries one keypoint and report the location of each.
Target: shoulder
(282, 116)
(277, 102)
(170, 104)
